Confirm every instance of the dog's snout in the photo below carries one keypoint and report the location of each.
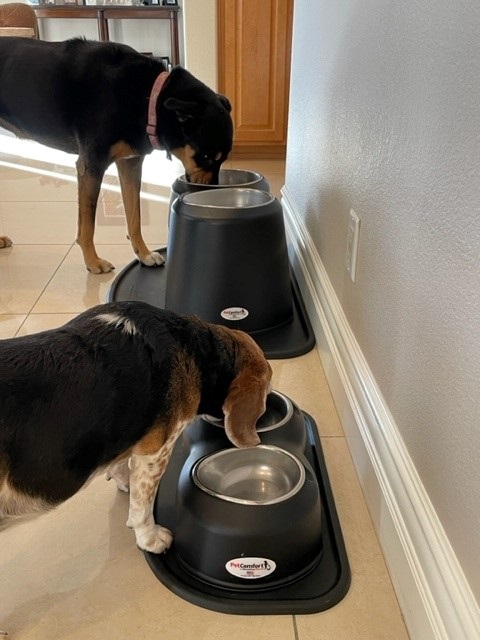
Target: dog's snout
(200, 177)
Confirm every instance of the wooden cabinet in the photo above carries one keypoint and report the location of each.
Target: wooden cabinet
(254, 45)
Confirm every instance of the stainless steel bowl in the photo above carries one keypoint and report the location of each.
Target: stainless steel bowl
(262, 475)
(231, 198)
(261, 504)
(278, 412)
(227, 178)
(281, 425)
(230, 178)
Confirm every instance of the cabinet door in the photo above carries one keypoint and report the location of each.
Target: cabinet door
(254, 39)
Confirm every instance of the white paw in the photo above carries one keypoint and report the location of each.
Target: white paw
(156, 540)
(152, 259)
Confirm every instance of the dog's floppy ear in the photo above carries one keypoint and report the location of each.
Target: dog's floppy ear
(185, 110)
(243, 406)
(225, 102)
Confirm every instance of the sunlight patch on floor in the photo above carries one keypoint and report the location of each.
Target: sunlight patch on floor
(157, 169)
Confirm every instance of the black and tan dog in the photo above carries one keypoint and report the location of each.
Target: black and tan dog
(117, 385)
(107, 103)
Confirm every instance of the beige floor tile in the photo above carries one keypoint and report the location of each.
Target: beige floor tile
(303, 380)
(9, 325)
(75, 573)
(43, 321)
(41, 223)
(56, 221)
(73, 289)
(25, 271)
(32, 186)
(370, 610)
(111, 227)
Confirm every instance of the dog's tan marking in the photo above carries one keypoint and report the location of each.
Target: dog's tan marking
(19, 133)
(122, 150)
(88, 190)
(119, 322)
(15, 504)
(130, 176)
(196, 174)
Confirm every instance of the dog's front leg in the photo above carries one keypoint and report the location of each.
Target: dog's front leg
(145, 474)
(89, 182)
(130, 175)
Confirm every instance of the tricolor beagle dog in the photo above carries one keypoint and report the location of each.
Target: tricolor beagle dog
(111, 391)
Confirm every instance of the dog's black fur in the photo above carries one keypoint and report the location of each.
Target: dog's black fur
(91, 99)
(118, 382)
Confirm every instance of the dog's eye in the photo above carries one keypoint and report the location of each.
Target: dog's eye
(207, 158)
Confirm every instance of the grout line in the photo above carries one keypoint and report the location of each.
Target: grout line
(332, 436)
(295, 628)
(55, 271)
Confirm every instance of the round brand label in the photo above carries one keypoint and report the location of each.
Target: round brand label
(234, 313)
(250, 568)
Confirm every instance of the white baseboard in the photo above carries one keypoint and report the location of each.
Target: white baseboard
(432, 590)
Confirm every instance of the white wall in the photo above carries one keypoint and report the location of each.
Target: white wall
(385, 118)
(200, 34)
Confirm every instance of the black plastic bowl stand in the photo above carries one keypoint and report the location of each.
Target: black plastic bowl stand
(320, 586)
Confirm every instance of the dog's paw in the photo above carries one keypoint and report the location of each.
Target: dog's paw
(100, 266)
(156, 540)
(153, 259)
(5, 241)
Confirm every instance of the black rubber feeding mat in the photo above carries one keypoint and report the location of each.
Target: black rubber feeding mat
(320, 586)
(148, 284)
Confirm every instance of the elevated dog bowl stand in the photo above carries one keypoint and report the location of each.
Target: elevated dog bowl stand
(148, 284)
(227, 263)
(323, 586)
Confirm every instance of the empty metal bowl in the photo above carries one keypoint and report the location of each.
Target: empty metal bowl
(257, 476)
(248, 518)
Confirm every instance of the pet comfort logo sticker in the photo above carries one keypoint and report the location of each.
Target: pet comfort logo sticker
(234, 313)
(250, 568)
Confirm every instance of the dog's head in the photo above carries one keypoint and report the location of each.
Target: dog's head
(247, 394)
(201, 131)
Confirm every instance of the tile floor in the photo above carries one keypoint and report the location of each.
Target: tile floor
(76, 572)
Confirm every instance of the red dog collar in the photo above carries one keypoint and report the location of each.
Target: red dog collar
(152, 110)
